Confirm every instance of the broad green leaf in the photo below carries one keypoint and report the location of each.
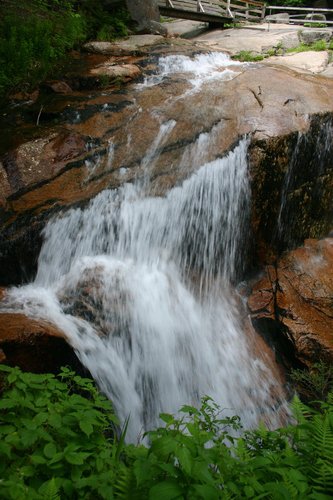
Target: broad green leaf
(167, 490)
(50, 450)
(28, 437)
(163, 446)
(38, 459)
(76, 458)
(5, 449)
(185, 458)
(57, 457)
(7, 403)
(55, 420)
(86, 427)
(7, 429)
(200, 470)
(206, 492)
(28, 471)
(167, 418)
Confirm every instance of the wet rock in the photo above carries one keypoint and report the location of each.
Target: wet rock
(154, 28)
(25, 97)
(295, 301)
(33, 345)
(106, 136)
(113, 71)
(40, 159)
(134, 44)
(98, 298)
(291, 180)
(59, 87)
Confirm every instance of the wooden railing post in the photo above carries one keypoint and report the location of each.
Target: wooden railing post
(200, 7)
(228, 9)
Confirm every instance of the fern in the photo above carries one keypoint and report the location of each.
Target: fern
(321, 430)
(125, 486)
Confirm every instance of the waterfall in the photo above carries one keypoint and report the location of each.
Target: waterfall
(142, 288)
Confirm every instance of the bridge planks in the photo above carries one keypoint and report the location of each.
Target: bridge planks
(213, 11)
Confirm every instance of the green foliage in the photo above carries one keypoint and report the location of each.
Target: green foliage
(54, 437)
(247, 56)
(197, 456)
(104, 25)
(33, 37)
(314, 384)
(55, 443)
(36, 34)
(315, 25)
(317, 46)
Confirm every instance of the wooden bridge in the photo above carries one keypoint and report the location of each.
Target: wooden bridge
(214, 12)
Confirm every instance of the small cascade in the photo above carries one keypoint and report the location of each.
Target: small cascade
(142, 286)
(304, 181)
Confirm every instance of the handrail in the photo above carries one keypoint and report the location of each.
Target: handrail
(309, 9)
(242, 9)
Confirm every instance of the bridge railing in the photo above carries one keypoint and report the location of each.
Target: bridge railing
(251, 10)
(302, 15)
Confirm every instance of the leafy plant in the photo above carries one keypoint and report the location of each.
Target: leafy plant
(58, 441)
(314, 384)
(35, 35)
(316, 46)
(247, 56)
(55, 437)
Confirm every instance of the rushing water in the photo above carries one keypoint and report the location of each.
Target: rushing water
(142, 288)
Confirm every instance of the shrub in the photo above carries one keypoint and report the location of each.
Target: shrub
(35, 35)
(57, 440)
(54, 437)
(247, 56)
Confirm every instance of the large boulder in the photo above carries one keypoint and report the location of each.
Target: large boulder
(34, 345)
(147, 16)
(309, 36)
(293, 302)
(134, 44)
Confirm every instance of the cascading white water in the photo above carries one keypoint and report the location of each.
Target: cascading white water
(141, 287)
(201, 69)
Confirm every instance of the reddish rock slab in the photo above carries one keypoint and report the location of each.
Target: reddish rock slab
(298, 300)
(34, 345)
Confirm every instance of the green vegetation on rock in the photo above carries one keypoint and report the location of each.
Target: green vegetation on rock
(58, 440)
(36, 34)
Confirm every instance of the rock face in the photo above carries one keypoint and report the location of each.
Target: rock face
(295, 300)
(101, 140)
(292, 188)
(147, 15)
(132, 45)
(34, 345)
